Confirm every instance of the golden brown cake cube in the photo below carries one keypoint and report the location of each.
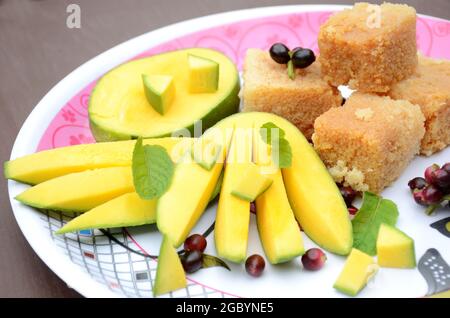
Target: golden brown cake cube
(369, 47)
(268, 88)
(368, 142)
(429, 88)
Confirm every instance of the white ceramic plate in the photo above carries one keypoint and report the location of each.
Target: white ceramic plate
(113, 266)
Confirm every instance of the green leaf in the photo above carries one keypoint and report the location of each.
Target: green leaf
(285, 154)
(152, 170)
(281, 149)
(212, 261)
(374, 211)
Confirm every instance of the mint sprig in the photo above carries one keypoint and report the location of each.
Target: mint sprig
(152, 170)
(281, 149)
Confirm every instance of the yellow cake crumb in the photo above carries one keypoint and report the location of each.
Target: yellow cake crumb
(369, 154)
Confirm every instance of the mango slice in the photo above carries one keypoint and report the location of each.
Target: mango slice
(203, 74)
(395, 248)
(160, 91)
(357, 271)
(233, 214)
(278, 230)
(252, 184)
(49, 164)
(127, 210)
(81, 191)
(314, 197)
(179, 209)
(170, 274)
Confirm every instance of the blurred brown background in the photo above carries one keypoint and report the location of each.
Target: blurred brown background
(37, 50)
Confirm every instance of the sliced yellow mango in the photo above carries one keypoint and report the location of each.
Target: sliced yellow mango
(233, 213)
(160, 91)
(179, 209)
(49, 164)
(170, 274)
(203, 74)
(395, 248)
(127, 210)
(252, 184)
(314, 197)
(358, 270)
(278, 230)
(81, 191)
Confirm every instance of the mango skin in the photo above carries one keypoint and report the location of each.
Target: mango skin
(226, 100)
(313, 195)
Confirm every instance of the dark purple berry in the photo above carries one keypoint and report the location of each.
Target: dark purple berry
(303, 58)
(314, 259)
(428, 172)
(253, 207)
(446, 167)
(192, 261)
(254, 265)
(441, 178)
(352, 210)
(418, 196)
(348, 194)
(195, 242)
(417, 183)
(432, 194)
(280, 53)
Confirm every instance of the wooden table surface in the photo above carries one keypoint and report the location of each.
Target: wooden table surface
(37, 50)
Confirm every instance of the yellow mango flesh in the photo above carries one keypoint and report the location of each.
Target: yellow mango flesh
(279, 231)
(123, 109)
(49, 164)
(357, 271)
(81, 191)
(127, 210)
(314, 197)
(233, 213)
(395, 248)
(170, 274)
(252, 184)
(179, 209)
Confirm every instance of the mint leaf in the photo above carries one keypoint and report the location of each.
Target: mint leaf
(374, 211)
(152, 170)
(285, 154)
(281, 149)
(212, 261)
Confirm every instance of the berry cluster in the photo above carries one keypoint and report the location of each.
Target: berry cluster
(434, 189)
(297, 58)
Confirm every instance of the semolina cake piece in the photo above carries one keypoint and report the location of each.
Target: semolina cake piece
(268, 88)
(369, 47)
(368, 142)
(429, 88)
